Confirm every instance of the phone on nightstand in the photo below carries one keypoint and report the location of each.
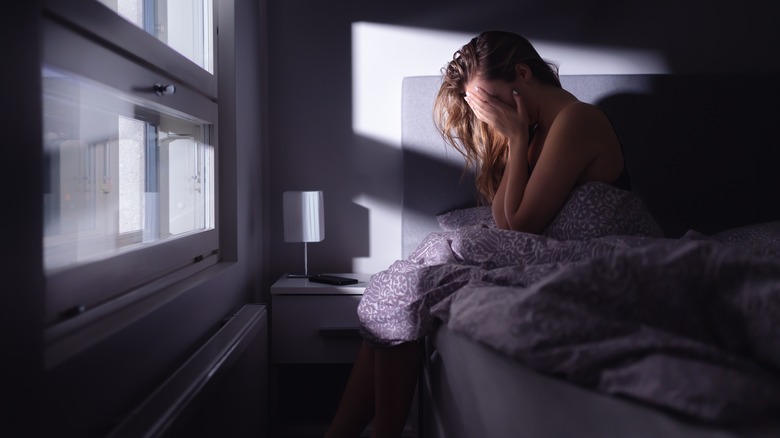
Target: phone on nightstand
(332, 279)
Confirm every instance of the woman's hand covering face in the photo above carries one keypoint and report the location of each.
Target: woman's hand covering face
(509, 121)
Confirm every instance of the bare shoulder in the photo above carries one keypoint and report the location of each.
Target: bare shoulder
(582, 123)
(581, 115)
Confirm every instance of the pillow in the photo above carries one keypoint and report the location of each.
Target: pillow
(466, 217)
(592, 209)
(596, 209)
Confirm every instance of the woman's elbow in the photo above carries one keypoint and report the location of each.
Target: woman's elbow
(524, 225)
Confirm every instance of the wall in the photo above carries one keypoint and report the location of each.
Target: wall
(21, 266)
(336, 70)
(90, 392)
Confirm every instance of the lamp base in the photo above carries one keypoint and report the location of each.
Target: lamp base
(305, 263)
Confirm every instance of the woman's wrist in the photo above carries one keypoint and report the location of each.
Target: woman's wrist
(519, 144)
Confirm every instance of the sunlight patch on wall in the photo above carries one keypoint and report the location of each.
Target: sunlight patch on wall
(586, 60)
(382, 55)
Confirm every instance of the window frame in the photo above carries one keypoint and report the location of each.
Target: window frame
(77, 30)
(92, 18)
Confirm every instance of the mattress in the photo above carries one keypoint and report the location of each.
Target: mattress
(480, 393)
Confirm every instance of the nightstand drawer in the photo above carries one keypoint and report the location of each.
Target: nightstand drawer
(315, 328)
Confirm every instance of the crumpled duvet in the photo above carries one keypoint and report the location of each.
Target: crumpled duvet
(690, 325)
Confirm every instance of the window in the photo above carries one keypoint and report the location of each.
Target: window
(129, 120)
(119, 174)
(184, 25)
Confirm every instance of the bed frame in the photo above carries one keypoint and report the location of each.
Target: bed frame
(702, 151)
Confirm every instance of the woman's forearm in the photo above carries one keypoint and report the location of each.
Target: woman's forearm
(499, 215)
(517, 178)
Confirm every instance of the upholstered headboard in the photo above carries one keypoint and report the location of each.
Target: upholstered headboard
(702, 151)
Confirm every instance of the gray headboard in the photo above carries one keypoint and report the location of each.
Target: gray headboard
(702, 151)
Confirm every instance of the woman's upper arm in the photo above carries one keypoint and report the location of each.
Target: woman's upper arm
(571, 144)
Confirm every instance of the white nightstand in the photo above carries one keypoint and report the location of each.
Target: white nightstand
(314, 322)
(314, 342)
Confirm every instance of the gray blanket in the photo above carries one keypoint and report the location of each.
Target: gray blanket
(688, 325)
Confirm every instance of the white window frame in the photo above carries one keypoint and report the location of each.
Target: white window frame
(131, 61)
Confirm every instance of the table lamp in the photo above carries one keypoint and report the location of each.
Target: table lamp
(304, 221)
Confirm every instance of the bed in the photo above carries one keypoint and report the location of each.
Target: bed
(703, 155)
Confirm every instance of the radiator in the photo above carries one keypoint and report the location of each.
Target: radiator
(220, 391)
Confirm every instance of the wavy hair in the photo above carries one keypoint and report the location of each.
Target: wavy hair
(492, 55)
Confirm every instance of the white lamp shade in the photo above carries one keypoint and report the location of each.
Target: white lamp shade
(304, 216)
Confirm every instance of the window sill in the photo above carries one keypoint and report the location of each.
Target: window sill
(66, 339)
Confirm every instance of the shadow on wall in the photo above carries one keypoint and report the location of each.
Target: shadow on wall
(691, 35)
(701, 160)
(703, 151)
(311, 71)
(354, 240)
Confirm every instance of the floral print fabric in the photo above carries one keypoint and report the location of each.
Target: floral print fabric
(686, 324)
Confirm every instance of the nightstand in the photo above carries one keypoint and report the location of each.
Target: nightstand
(314, 322)
(314, 341)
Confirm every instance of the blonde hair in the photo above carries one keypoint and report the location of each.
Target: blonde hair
(491, 55)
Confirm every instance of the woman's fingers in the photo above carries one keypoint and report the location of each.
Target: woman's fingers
(496, 113)
(483, 105)
(520, 108)
(478, 106)
(484, 96)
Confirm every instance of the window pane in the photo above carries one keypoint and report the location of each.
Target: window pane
(132, 138)
(184, 25)
(121, 173)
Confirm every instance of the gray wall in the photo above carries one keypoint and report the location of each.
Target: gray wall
(313, 144)
(21, 262)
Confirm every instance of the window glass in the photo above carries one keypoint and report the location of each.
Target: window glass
(121, 172)
(184, 25)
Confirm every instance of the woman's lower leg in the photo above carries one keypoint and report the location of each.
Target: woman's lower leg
(357, 402)
(395, 375)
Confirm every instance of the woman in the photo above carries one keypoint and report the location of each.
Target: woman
(502, 106)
